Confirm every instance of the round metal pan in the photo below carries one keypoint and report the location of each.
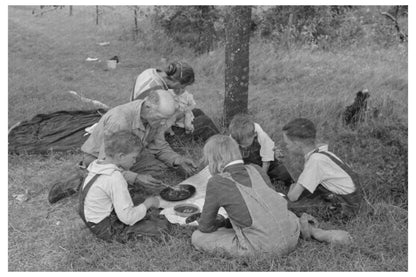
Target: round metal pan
(186, 191)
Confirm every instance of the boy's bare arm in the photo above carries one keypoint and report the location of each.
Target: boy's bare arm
(266, 166)
(295, 191)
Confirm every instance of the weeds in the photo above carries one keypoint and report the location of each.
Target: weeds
(46, 58)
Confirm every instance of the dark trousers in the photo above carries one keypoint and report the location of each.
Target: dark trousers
(327, 205)
(204, 128)
(278, 172)
(111, 228)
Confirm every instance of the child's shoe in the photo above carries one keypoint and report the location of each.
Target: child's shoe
(306, 222)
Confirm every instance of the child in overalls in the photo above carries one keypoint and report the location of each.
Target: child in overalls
(258, 148)
(326, 185)
(258, 214)
(259, 221)
(106, 206)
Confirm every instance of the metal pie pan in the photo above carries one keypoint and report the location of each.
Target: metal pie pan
(186, 191)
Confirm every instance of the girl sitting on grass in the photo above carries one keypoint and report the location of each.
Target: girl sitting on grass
(259, 220)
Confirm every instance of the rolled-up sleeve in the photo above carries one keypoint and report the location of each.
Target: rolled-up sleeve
(266, 144)
(210, 209)
(123, 204)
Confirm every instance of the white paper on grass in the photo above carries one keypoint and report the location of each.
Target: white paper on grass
(199, 181)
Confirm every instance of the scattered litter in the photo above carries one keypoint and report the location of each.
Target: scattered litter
(91, 59)
(58, 223)
(90, 129)
(104, 43)
(111, 64)
(22, 197)
(87, 100)
(14, 126)
(115, 58)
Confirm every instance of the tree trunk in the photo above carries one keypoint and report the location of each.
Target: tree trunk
(207, 30)
(237, 33)
(70, 10)
(136, 27)
(402, 36)
(96, 15)
(288, 31)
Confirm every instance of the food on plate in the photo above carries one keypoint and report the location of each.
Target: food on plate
(186, 210)
(184, 192)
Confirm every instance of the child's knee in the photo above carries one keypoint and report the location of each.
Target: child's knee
(197, 238)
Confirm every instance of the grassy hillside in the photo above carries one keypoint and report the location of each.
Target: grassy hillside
(47, 58)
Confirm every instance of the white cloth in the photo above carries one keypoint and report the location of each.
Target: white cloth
(199, 181)
(234, 162)
(186, 104)
(110, 192)
(266, 144)
(146, 80)
(320, 169)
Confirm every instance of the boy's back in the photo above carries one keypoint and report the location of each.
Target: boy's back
(320, 169)
(108, 191)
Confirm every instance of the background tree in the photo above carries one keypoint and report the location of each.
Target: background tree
(191, 26)
(237, 30)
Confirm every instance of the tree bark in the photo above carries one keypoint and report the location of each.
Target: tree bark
(207, 30)
(136, 27)
(96, 15)
(70, 10)
(237, 34)
(288, 31)
(402, 36)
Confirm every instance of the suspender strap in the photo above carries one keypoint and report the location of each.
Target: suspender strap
(83, 195)
(344, 167)
(354, 199)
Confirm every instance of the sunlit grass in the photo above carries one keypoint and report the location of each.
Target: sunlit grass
(47, 58)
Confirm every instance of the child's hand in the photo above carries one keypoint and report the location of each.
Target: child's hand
(129, 176)
(148, 181)
(151, 202)
(189, 129)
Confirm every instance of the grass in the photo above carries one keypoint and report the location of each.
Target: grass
(47, 58)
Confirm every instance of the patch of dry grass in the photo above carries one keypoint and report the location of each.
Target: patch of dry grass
(47, 58)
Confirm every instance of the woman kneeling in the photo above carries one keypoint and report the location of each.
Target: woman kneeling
(258, 215)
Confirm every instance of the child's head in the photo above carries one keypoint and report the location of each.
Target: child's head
(181, 74)
(299, 132)
(242, 130)
(220, 150)
(123, 148)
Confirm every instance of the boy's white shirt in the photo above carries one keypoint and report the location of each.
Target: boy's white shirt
(110, 192)
(266, 144)
(320, 169)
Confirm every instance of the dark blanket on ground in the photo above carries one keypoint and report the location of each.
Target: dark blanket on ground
(65, 130)
(58, 131)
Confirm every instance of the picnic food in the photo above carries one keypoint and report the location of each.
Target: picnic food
(186, 210)
(184, 192)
